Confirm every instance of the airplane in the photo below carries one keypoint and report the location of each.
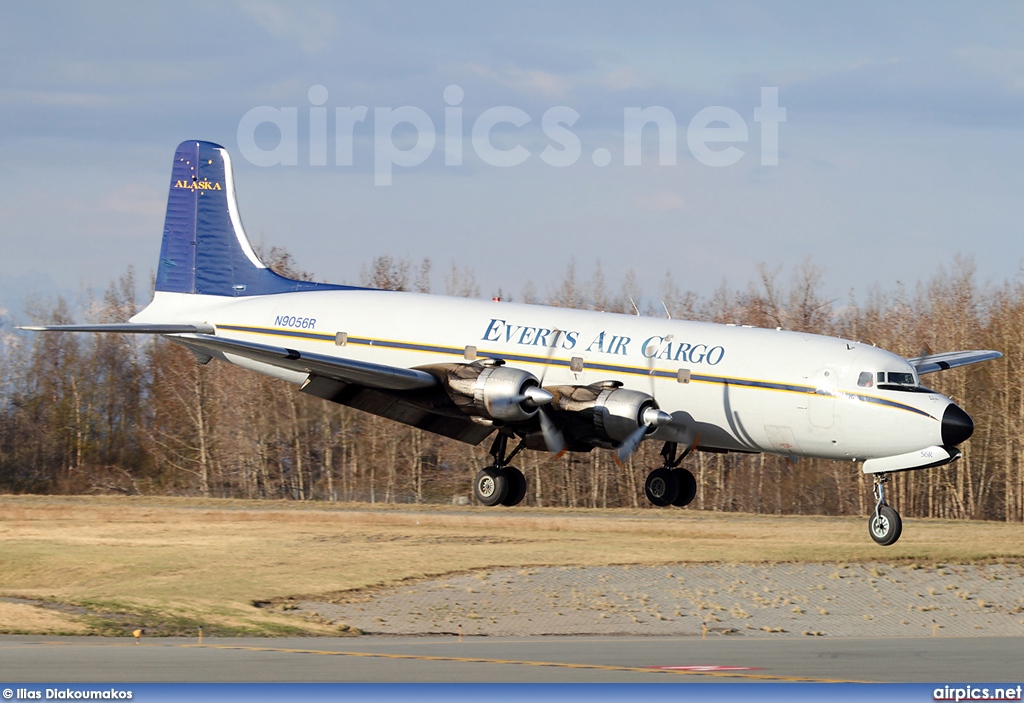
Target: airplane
(548, 379)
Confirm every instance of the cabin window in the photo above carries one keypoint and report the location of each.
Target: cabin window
(866, 379)
(881, 376)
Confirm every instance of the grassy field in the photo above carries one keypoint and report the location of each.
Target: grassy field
(107, 565)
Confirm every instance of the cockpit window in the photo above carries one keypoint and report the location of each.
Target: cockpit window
(890, 381)
(901, 379)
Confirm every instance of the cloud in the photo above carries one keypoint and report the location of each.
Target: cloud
(530, 81)
(962, 88)
(627, 78)
(133, 198)
(311, 26)
(890, 109)
(662, 201)
(1004, 65)
(57, 98)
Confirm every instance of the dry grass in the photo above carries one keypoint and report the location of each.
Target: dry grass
(29, 619)
(172, 564)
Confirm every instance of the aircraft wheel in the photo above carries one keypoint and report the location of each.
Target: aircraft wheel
(661, 487)
(885, 527)
(490, 486)
(687, 487)
(516, 486)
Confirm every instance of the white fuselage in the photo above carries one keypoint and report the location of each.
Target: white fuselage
(738, 388)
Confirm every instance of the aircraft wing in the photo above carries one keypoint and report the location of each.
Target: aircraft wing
(345, 370)
(126, 327)
(949, 360)
(363, 373)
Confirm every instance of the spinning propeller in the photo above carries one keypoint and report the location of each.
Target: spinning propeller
(650, 417)
(553, 439)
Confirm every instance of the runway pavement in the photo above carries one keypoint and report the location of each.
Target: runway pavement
(523, 659)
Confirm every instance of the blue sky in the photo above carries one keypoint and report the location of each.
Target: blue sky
(903, 143)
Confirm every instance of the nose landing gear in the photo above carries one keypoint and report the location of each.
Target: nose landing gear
(884, 525)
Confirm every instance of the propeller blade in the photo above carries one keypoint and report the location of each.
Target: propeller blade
(551, 354)
(553, 438)
(629, 445)
(652, 358)
(686, 452)
(651, 417)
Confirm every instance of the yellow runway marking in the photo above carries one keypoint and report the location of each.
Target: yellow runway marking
(480, 660)
(560, 665)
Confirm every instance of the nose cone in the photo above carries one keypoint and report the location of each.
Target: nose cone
(537, 396)
(957, 426)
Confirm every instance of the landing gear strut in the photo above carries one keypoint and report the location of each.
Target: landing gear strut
(500, 483)
(669, 484)
(884, 525)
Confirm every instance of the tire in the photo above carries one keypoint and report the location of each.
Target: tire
(687, 487)
(490, 486)
(661, 487)
(516, 486)
(887, 527)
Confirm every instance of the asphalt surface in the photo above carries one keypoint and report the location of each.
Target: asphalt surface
(498, 659)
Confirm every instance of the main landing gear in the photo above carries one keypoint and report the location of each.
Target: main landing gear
(669, 484)
(500, 483)
(503, 484)
(884, 525)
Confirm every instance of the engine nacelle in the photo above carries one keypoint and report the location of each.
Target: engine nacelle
(491, 390)
(603, 414)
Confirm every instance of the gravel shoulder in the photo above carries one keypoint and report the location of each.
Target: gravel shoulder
(746, 600)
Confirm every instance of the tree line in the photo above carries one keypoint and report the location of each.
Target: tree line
(137, 415)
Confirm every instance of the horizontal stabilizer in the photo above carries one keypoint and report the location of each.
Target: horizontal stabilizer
(949, 360)
(921, 459)
(126, 327)
(363, 373)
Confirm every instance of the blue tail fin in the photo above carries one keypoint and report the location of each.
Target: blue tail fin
(205, 249)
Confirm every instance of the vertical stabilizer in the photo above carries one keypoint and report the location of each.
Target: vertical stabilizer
(205, 250)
